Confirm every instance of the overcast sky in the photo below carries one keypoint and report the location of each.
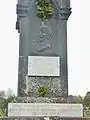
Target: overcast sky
(78, 47)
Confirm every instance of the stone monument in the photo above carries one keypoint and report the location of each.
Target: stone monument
(43, 74)
(43, 47)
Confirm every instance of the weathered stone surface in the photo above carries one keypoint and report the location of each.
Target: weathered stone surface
(28, 86)
(22, 75)
(56, 87)
(39, 100)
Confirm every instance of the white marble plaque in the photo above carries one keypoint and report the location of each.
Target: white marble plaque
(43, 66)
(45, 109)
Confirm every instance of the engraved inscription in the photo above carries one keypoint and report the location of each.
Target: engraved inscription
(43, 66)
(45, 109)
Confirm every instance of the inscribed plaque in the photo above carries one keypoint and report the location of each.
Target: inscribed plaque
(45, 109)
(43, 66)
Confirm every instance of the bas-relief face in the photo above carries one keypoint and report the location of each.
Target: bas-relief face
(45, 40)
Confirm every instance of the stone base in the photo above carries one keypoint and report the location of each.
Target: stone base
(41, 118)
(45, 110)
(39, 100)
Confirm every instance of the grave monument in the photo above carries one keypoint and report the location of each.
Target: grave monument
(43, 74)
(42, 27)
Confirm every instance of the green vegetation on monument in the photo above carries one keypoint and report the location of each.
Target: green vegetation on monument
(44, 9)
(42, 91)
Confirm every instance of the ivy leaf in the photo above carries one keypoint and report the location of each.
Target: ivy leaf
(44, 8)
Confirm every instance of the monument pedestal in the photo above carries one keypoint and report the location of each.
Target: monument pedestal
(42, 118)
(45, 110)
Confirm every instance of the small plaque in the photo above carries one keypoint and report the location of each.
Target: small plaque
(43, 66)
(45, 109)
